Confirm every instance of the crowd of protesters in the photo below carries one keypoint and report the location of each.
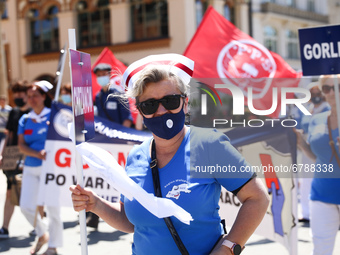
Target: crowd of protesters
(21, 125)
(25, 125)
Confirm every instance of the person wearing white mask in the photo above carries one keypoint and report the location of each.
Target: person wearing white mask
(32, 133)
(110, 108)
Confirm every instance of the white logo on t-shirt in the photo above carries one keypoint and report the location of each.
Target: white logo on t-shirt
(177, 189)
(111, 105)
(41, 131)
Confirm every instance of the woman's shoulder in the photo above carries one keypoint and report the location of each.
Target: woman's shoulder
(319, 118)
(138, 158)
(140, 149)
(23, 118)
(206, 135)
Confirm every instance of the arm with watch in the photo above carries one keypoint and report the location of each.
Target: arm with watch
(255, 201)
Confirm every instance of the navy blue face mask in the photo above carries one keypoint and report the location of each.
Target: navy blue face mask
(166, 126)
(316, 100)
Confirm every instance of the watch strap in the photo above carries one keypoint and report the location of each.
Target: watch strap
(231, 245)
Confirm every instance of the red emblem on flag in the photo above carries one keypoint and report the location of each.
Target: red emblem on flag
(236, 60)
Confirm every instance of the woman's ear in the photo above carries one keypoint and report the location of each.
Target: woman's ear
(186, 103)
(140, 112)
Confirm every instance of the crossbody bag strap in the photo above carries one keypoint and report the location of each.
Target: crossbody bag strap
(158, 193)
(331, 142)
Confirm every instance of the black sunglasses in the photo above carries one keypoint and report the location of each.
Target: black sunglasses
(327, 88)
(150, 106)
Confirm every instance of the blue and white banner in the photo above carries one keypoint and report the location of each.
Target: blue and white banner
(59, 168)
(320, 50)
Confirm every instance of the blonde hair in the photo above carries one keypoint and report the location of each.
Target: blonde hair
(150, 74)
(322, 79)
(153, 74)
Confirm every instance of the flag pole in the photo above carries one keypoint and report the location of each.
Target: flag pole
(79, 163)
(337, 99)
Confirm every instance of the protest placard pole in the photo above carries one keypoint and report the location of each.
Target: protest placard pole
(63, 58)
(79, 164)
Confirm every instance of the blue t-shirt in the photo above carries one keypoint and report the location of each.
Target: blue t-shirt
(199, 196)
(324, 107)
(34, 135)
(111, 108)
(324, 189)
(294, 113)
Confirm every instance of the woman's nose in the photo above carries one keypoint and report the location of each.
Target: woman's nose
(161, 110)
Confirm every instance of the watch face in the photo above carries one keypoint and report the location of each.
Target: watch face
(237, 249)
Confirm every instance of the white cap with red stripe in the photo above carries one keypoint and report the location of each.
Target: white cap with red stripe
(179, 65)
(44, 85)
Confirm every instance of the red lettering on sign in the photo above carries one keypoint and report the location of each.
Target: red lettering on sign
(269, 175)
(121, 159)
(66, 161)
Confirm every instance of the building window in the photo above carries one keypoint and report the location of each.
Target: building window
(291, 3)
(292, 44)
(44, 31)
(270, 38)
(3, 10)
(229, 11)
(201, 7)
(311, 5)
(149, 19)
(94, 27)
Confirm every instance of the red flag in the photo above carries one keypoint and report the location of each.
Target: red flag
(118, 68)
(220, 50)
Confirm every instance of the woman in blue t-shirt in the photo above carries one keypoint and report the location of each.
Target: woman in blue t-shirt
(159, 84)
(323, 146)
(32, 132)
(317, 105)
